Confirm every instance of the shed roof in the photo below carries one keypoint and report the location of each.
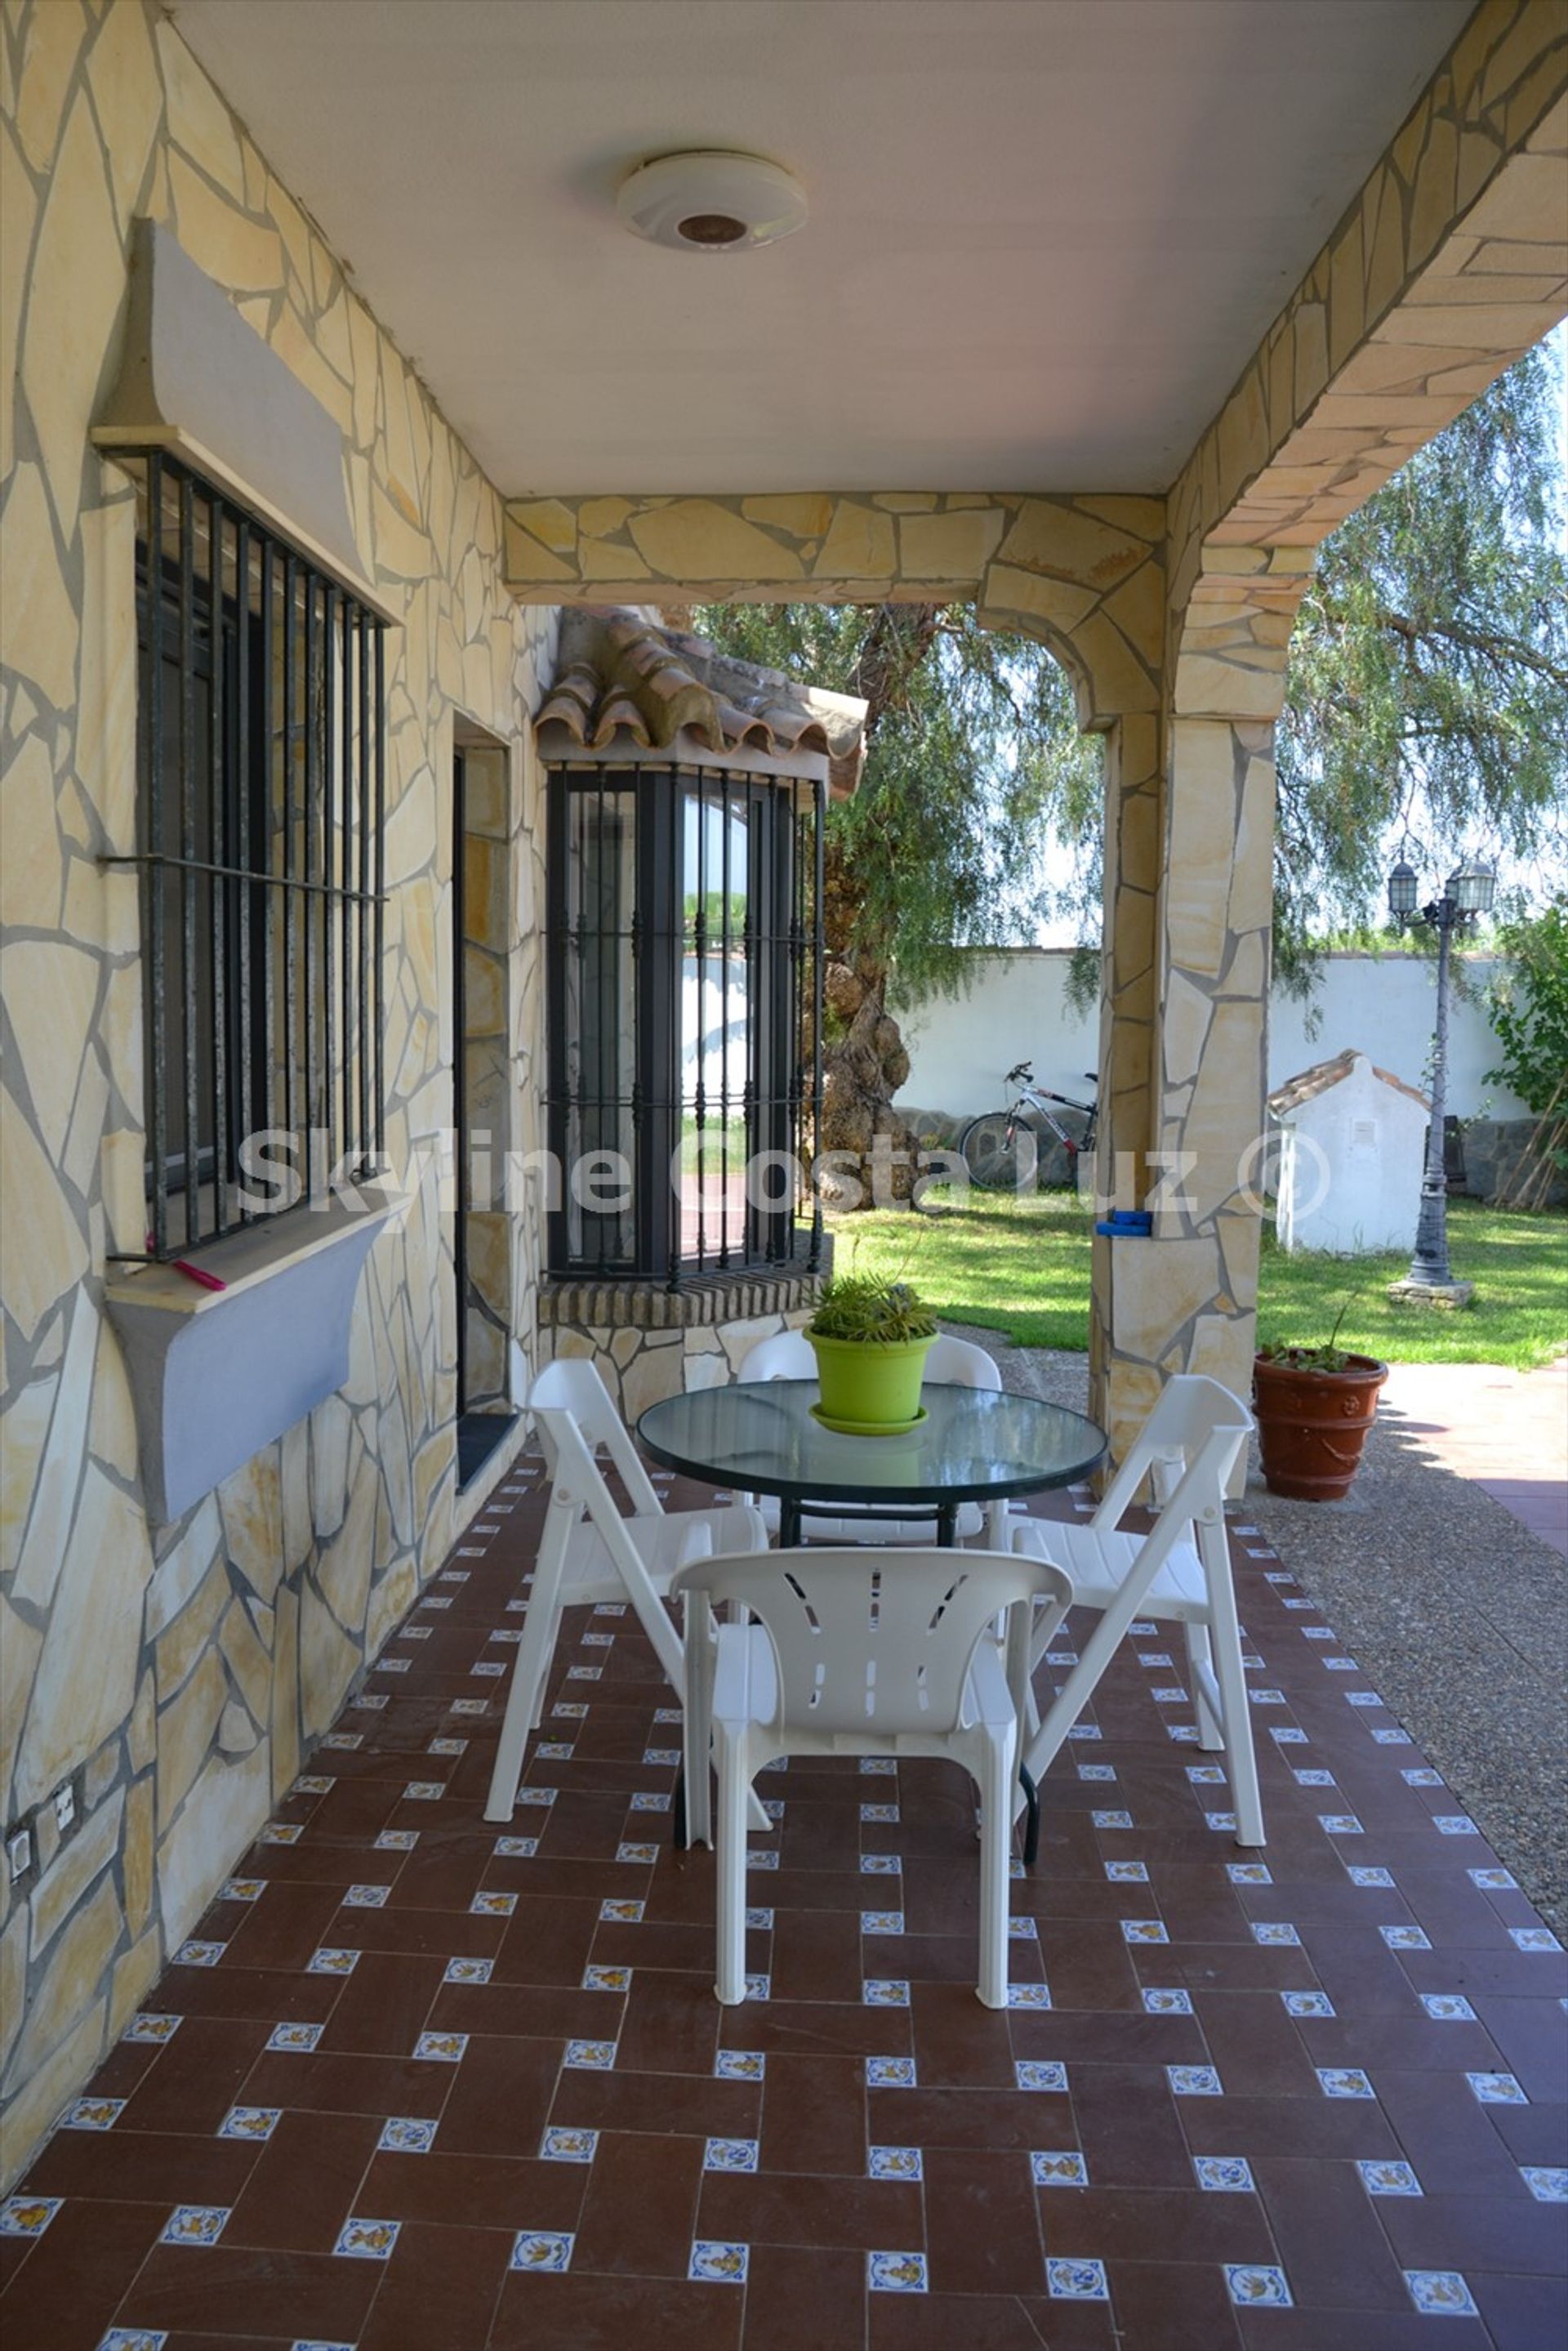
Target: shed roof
(626, 681)
(1322, 1075)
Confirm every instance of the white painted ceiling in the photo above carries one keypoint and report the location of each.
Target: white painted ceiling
(1044, 237)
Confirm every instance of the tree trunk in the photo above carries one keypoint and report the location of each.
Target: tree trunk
(864, 1058)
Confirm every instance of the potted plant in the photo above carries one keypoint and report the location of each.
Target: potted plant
(1314, 1406)
(871, 1337)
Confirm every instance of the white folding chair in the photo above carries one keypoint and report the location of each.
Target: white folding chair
(858, 1653)
(958, 1363)
(590, 1553)
(1178, 1571)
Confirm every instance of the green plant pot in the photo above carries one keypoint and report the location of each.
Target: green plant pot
(873, 1386)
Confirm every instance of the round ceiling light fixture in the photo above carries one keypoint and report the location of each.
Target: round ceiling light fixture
(709, 202)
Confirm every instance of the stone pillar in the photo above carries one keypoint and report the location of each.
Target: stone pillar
(1186, 1299)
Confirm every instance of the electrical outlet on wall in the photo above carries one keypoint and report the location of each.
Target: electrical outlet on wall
(65, 1804)
(18, 1853)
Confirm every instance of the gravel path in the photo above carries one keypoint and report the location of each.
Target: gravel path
(1456, 1612)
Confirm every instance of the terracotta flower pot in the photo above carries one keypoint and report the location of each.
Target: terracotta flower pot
(1311, 1424)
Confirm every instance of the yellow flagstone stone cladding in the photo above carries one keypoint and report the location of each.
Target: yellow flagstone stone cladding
(186, 1669)
(1173, 614)
(183, 1670)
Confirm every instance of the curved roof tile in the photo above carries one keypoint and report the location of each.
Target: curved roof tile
(626, 680)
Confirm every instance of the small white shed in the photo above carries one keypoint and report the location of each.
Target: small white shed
(1353, 1146)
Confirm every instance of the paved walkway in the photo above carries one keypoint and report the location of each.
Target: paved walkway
(1506, 1431)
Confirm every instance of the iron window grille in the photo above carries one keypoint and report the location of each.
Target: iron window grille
(261, 796)
(685, 1015)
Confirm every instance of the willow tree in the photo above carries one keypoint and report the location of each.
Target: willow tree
(974, 758)
(1427, 697)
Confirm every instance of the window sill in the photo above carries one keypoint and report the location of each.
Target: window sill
(217, 1374)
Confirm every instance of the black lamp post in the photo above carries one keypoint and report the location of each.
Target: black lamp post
(1467, 893)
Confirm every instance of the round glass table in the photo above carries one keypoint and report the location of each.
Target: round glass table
(975, 1444)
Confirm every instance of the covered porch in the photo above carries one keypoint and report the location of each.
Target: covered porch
(1104, 316)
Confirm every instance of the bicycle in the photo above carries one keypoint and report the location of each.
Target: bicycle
(989, 1145)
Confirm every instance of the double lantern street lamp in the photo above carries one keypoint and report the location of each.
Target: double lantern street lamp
(1467, 893)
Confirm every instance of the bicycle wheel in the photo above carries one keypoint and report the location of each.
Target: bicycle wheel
(988, 1149)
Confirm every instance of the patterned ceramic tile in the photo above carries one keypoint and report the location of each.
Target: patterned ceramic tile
(397, 1841)
(1534, 1939)
(516, 1848)
(1248, 1873)
(1112, 1819)
(1224, 2175)
(367, 2241)
(486, 1904)
(294, 2037)
(719, 2261)
(645, 1854)
(1029, 1995)
(1343, 2082)
(1144, 1930)
(1497, 2089)
(880, 1865)
(195, 2224)
(1370, 1878)
(890, 2073)
(250, 2122)
(543, 2249)
(1447, 2007)
(896, 2273)
(27, 2216)
(762, 1920)
(1274, 1930)
(1096, 1772)
(1193, 2082)
(1039, 2074)
(1386, 2177)
(199, 1955)
(407, 2134)
(879, 1812)
(1022, 1928)
(590, 2056)
(1405, 1938)
(442, 2048)
(332, 1959)
(1440, 2294)
(152, 2024)
(895, 2163)
(1167, 1999)
(563, 2145)
(881, 1922)
(598, 1979)
(1493, 1881)
(149, 2338)
(1050, 2169)
(468, 1972)
(621, 1914)
(1126, 1873)
(242, 1889)
(1076, 2280)
(366, 1898)
(1548, 2183)
(1252, 2287)
(1206, 1775)
(739, 2065)
(729, 2154)
(92, 2114)
(1226, 1821)
(1307, 2004)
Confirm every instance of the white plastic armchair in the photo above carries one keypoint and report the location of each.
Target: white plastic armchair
(1179, 1571)
(858, 1653)
(957, 1362)
(591, 1552)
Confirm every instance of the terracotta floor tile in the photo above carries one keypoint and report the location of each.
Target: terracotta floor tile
(286, 2294)
(441, 2286)
(74, 2279)
(982, 2224)
(661, 2069)
(612, 2314)
(808, 2302)
(639, 2212)
(304, 2183)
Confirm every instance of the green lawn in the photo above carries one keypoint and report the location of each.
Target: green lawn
(1022, 1266)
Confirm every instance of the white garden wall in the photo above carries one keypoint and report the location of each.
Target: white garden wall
(961, 1048)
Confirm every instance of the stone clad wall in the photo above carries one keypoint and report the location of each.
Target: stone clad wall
(184, 1670)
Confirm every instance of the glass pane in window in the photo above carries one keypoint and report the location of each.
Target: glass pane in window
(716, 1041)
(600, 1027)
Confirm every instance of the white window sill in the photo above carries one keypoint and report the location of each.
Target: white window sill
(217, 1374)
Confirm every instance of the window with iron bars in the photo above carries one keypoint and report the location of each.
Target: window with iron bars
(262, 784)
(685, 1006)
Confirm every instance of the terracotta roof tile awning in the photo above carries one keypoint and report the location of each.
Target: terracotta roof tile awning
(626, 683)
(1332, 1072)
